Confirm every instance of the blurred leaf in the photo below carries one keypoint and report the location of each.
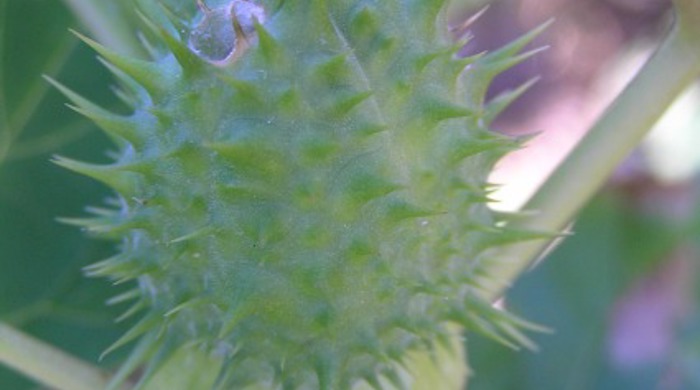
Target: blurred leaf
(42, 289)
(573, 292)
(21, 62)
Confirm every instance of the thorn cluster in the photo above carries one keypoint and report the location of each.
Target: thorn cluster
(311, 208)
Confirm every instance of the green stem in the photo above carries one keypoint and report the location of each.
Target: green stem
(673, 68)
(46, 364)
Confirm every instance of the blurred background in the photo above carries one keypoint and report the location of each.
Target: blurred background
(621, 294)
(42, 288)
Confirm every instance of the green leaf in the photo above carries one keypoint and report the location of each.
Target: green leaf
(42, 289)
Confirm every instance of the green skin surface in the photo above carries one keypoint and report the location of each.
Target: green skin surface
(312, 209)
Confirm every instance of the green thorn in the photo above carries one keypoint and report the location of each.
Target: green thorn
(140, 354)
(190, 63)
(334, 70)
(502, 101)
(131, 311)
(124, 297)
(271, 50)
(183, 306)
(193, 235)
(436, 110)
(145, 325)
(117, 126)
(493, 68)
(344, 106)
(365, 188)
(121, 181)
(399, 211)
(513, 48)
(463, 149)
(147, 74)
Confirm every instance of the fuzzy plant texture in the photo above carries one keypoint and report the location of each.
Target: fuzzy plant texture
(301, 188)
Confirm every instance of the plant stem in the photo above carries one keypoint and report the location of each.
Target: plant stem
(46, 364)
(673, 67)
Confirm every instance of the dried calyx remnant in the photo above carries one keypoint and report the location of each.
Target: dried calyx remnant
(316, 209)
(225, 30)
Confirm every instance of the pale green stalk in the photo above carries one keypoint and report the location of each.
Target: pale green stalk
(46, 364)
(673, 68)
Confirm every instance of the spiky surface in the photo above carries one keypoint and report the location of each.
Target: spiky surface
(312, 208)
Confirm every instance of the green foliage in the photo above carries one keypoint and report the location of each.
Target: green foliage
(42, 289)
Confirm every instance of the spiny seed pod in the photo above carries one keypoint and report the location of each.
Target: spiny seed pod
(302, 189)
